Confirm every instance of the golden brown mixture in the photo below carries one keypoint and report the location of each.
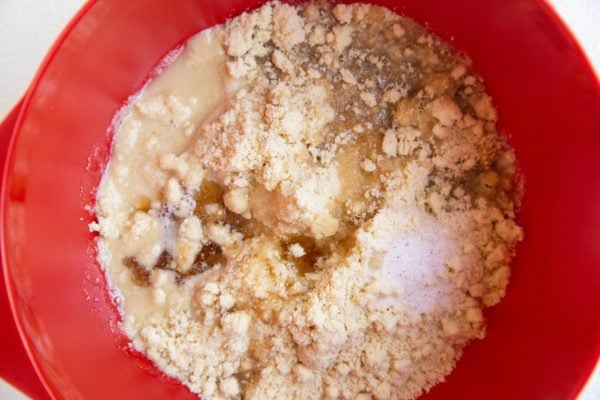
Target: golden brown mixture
(310, 202)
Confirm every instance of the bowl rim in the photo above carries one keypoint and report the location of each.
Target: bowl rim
(25, 103)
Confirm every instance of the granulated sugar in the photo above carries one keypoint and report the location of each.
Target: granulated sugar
(416, 262)
(310, 202)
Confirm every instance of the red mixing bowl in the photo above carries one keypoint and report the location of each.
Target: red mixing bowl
(543, 339)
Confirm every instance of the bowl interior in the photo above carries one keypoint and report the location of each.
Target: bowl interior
(543, 339)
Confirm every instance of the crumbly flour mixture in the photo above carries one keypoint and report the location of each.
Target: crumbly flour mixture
(310, 202)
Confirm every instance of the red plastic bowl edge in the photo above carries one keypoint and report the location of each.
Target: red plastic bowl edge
(56, 45)
(25, 105)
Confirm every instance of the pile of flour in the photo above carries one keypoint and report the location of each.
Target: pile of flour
(310, 202)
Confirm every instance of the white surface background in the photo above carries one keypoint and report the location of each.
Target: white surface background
(28, 28)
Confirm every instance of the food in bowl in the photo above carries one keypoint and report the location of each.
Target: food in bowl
(309, 201)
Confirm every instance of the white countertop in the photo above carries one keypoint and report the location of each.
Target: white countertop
(28, 28)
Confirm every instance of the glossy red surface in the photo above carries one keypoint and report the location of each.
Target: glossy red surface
(14, 363)
(543, 339)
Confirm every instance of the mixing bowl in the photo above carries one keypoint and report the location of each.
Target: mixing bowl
(543, 339)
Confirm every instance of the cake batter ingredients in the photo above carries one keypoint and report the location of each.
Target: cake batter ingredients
(310, 202)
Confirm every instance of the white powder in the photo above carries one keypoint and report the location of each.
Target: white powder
(416, 262)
